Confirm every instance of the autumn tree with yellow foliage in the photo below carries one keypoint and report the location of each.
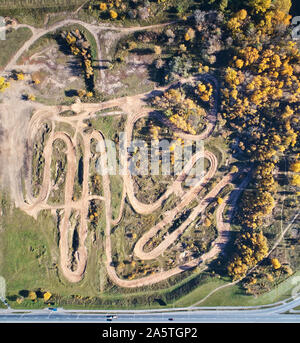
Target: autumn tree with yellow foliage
(250, 248)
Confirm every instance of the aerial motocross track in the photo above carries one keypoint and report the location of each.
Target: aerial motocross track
(137, 110)
(134, 107)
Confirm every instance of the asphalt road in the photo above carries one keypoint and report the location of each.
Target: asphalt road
(274, 314)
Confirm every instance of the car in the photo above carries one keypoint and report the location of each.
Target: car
(109, 319)
(53, 309)
(115, 316)
(171, 319)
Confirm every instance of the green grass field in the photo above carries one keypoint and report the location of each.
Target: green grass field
(35, 12)
(27, 245)
(13, 42)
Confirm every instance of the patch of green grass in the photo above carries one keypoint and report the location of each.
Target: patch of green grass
(25, 247)
(59, 165)
(200, 292)
(33, 13)
(219, 147)
(44, 42)
(65, 127)
(116, 185)
(13, 42)
(234, 295)
(31, 255)
(110, 126)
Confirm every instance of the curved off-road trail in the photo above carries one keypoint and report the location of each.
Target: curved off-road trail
(74, 272)
(73, 263)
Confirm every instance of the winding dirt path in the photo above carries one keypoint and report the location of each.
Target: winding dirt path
(137, 105)
(136, 108)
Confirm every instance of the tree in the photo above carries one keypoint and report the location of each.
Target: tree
(242, 14)
(295, 167)
(113, 14)
(20, 76)
(283, 5)
(234, 169)
(275, 263)
(239, 63)
(250, 248)
(296, 180)
(20, 300)
(81, 93)
(207, 222)
(189, 35)
(157, 50)
(102, 6)
(47, 296)
(31, 97)
(260, 5)
(220, 200)
(223, 5)
(3, 84)
(32, 295)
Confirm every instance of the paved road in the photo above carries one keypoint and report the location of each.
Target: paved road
(264, 314)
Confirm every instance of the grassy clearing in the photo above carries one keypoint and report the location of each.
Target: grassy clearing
(235, 296)
(116, 185)
(58, 172)
(32, 245)
(35, 13)
(220, 148)
(110, 126)
(42, 43)
(38, 161)
(13, 42)
(200, 292)
(65, 127)
(132, 85)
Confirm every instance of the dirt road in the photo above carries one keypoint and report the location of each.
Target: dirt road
(73, 263)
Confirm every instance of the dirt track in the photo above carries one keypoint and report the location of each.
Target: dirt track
(138, 110)
(135, 107)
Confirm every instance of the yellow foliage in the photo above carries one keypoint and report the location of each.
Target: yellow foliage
(239, 63)
(32, 295)
(20, 76)
(242, 14)
(296, 180)
(207, 222)
(47, 296)
(275, 263)
(220, 201)
(295, 167)
(260, 5)
(157, 50)
(102, 6)
(113, 14)
(31, 97)
(182, 47)
(3, 84)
